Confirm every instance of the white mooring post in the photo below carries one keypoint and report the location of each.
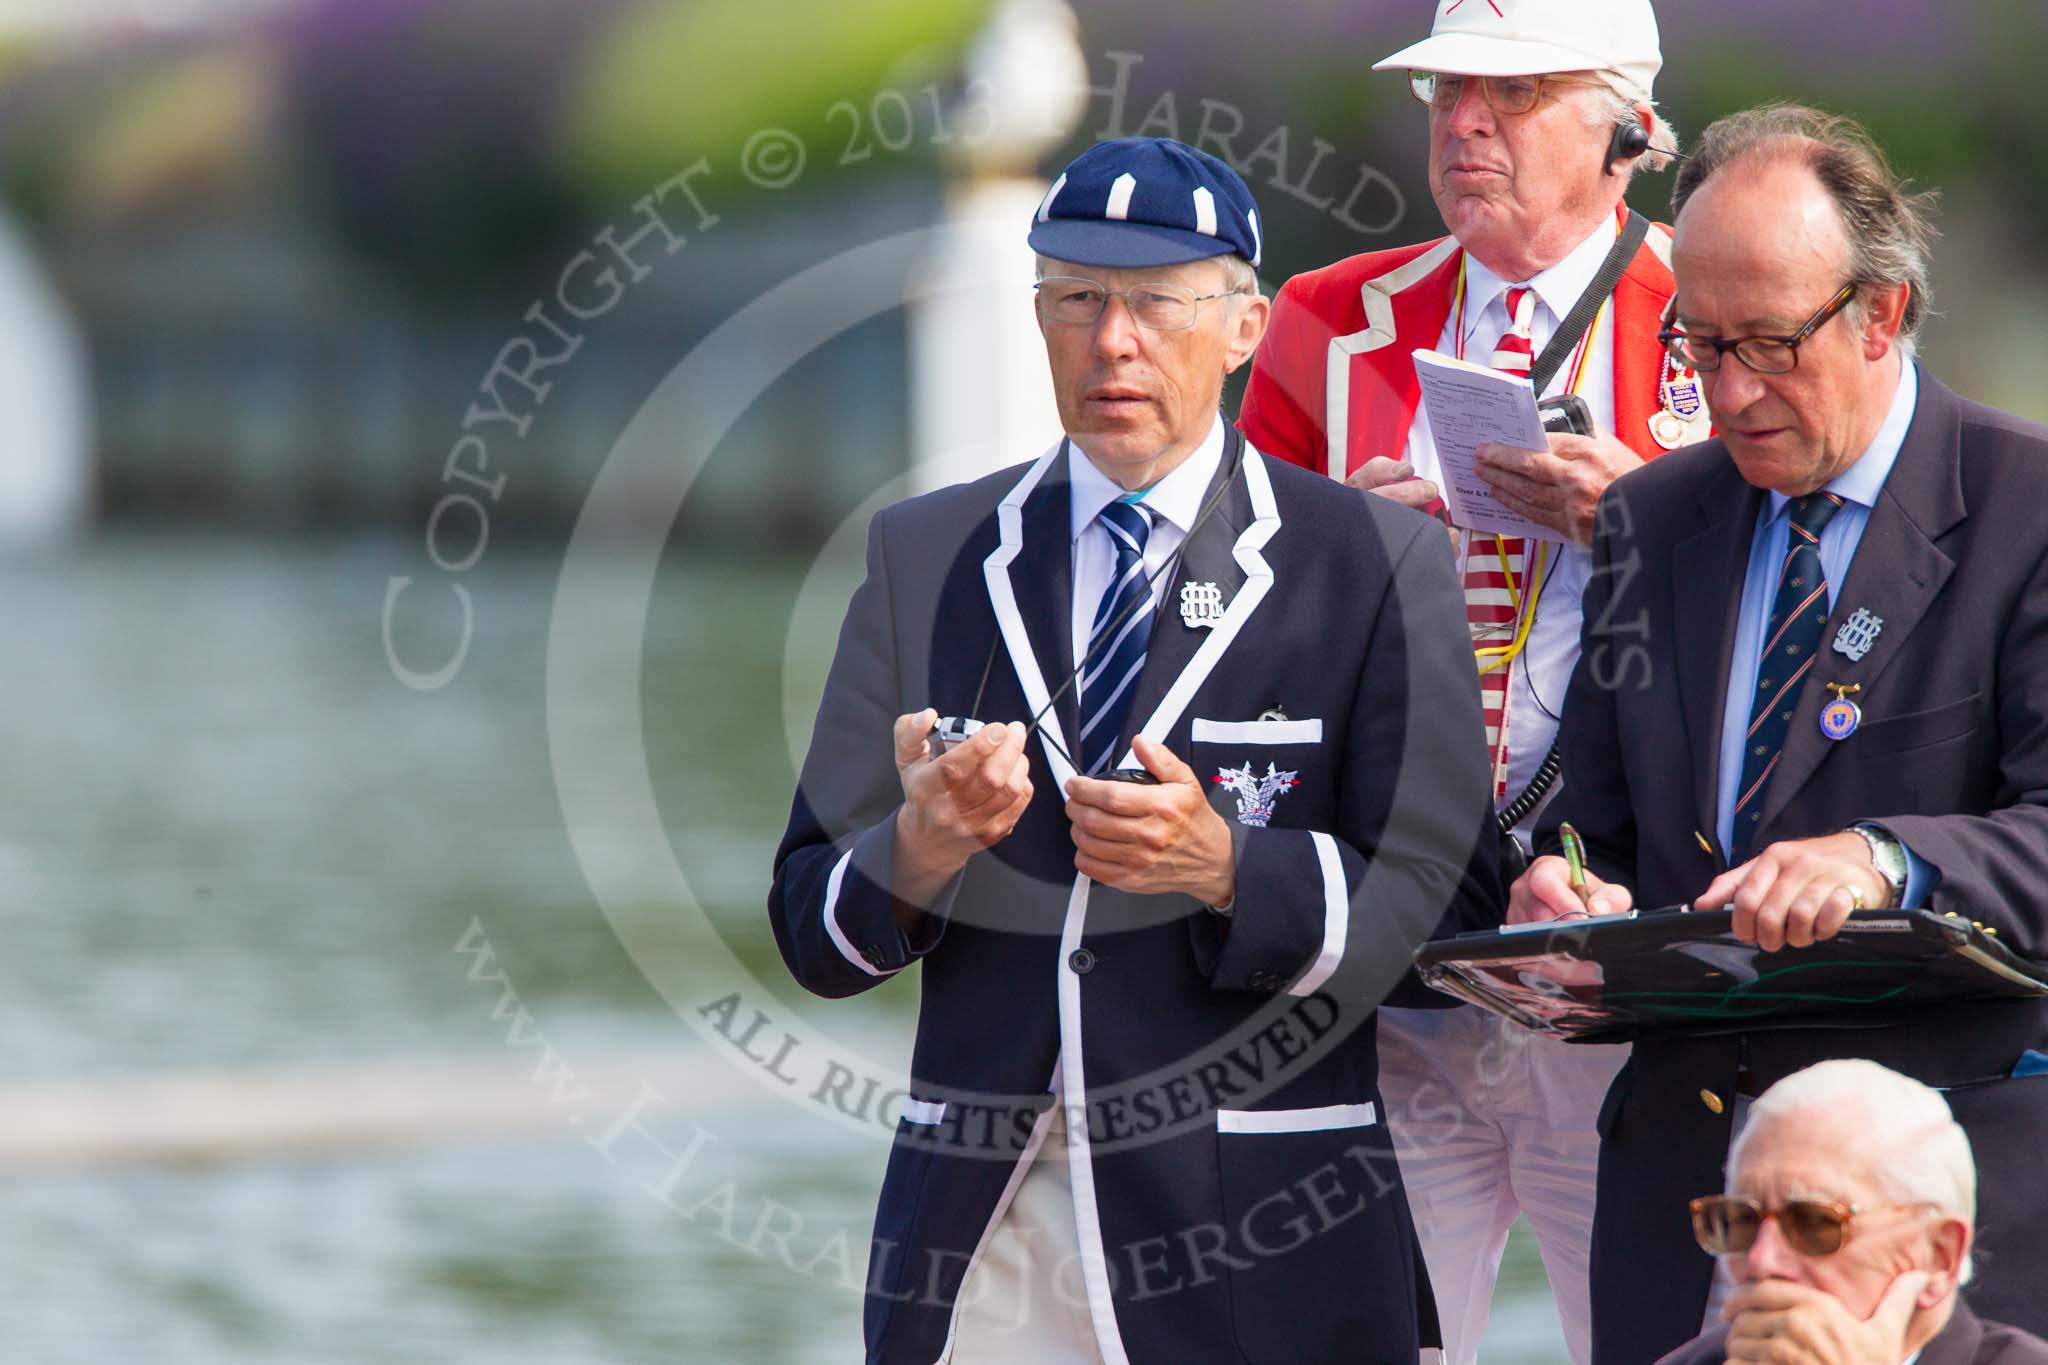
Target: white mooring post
(980, 395)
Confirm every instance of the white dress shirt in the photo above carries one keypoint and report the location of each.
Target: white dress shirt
(1544, 667)
(1174, 503)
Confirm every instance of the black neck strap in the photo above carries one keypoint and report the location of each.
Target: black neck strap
(1588, 307)
(1569, 331)
(1233, 459)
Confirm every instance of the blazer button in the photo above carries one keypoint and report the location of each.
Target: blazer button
(1713, 1102)
(1082, 961)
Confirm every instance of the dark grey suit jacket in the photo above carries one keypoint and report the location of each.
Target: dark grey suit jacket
(1966, 1340)
(1952, 756)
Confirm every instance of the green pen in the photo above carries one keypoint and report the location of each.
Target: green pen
(1575, 860)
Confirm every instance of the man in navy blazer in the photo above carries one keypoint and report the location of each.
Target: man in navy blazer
(1142, 1121)
(1815, 679)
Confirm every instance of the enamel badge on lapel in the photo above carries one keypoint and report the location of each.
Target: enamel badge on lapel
(1858, 634)
(1256, 796)
(1840, 717)
(1201, 605)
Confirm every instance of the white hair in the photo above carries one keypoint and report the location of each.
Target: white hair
(1920, 1154)
(1239, 276)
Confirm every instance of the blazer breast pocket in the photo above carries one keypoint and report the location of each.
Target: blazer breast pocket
(1257, 732)
(1920, 729)
(1254, 770)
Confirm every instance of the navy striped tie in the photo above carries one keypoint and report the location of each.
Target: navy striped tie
(1798, 615)
(1117, 640)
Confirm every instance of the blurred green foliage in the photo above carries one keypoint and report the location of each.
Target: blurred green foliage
(668, 83)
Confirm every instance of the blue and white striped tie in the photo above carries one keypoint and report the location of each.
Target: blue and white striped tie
(1117, 640)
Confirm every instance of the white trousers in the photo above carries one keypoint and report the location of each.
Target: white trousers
(1490, 1121)
(1025, 1302)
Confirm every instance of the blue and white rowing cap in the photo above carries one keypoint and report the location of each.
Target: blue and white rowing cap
(1146, 201)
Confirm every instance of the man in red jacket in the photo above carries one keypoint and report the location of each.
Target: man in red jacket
(1538, 113)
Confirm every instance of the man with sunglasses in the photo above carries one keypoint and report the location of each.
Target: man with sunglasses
(1539, 112)
(1848, 1229)
(1815, 680)
(1229, 780)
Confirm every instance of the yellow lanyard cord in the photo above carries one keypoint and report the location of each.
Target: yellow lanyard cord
(1496, 657)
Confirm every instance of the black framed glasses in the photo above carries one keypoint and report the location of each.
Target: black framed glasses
(1441, 90)
(1728, 1224)
(1160, 307)
(1763, 354)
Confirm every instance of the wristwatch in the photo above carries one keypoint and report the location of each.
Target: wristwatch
(1888, 856)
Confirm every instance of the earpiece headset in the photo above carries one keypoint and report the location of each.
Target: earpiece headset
(1631, 141)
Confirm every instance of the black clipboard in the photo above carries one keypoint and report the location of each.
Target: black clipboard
(1611, 978)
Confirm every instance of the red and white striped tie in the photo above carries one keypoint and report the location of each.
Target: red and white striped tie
(1493, 566)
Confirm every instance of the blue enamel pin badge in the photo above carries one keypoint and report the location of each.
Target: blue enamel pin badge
(1840, 717)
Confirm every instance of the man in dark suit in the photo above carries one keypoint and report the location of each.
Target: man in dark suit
(1142, 1120)
(1815, 677)
(1847, 1231)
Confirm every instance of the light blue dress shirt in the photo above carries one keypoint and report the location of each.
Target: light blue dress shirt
(1858, 486)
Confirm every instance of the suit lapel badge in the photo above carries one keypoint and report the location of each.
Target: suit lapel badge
(1256, 796)
(1201, 605)
(1840, 717)
(1858, 634)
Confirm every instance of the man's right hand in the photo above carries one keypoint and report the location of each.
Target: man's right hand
(1545, 892)
(1394, 480)
(955, 806)
(1779, 1322)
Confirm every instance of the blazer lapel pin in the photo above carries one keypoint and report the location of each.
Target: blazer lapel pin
(1858, 634)
(1201, 605)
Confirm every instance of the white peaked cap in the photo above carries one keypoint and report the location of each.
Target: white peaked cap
(1535, 37)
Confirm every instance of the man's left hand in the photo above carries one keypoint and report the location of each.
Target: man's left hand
(1798, 892)
(1153, 839)
(1560, 487)
(1780, 1322)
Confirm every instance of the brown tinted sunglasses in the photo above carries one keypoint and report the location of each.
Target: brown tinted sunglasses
(1727, 1224)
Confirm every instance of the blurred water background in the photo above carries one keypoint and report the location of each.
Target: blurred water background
(318, 1038)
(248, 875)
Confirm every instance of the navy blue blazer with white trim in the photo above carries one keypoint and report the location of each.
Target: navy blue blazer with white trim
(1205, 1238)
